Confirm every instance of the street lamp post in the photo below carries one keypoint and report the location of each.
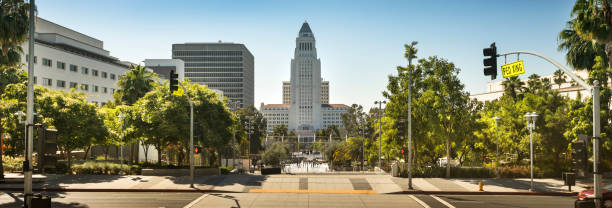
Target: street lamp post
(410, 114)
(531, 118)
(121, 116)
(380, 130)
(497, 118)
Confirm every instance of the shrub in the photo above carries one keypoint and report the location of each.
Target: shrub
(225, 170)
(514, 172)
(101, 168)
(12, 164)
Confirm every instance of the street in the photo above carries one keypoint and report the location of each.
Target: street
(179, 200)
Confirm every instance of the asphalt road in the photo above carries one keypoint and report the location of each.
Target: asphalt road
(179, 200)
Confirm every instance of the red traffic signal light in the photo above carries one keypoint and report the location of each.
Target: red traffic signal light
(402, 151)
(197, 149)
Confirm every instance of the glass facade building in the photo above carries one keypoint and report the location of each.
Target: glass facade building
(228, 67)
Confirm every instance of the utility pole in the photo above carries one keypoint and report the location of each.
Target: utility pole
(27, 164)
(410, 115)
(380, 111)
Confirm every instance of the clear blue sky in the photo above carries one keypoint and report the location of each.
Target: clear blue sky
(359, 43)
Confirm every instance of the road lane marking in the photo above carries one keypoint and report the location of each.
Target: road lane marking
(312, 191)
(442, 201)
(195, 201)
(419, 201)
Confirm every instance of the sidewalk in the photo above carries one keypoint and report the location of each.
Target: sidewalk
(341, 184)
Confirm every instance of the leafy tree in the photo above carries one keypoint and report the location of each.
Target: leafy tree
(251, 117)
(593, 21)
(280, 130)
(352, 120)
(275, 154)
(77, 122)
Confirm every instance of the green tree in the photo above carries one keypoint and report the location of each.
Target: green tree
(559, 78)
(134, 84)
(593, 21)
(580, 53)
(275, 154)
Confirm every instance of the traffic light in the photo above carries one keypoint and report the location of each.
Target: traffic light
(173, 81)
(402, 151)
(47, 148)
(197, 149)
(490, 61)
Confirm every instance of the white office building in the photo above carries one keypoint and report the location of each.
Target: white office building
(305, 107)
(495, 89)
(65, 59)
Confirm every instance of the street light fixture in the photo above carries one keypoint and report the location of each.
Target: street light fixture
(380, 112)
(531, 119)
(497, 118)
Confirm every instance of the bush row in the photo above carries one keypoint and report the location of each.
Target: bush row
(475, 172)
(100, 168)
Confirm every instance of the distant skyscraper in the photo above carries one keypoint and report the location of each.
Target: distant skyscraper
(228, 67)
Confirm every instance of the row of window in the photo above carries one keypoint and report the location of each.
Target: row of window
(212, 64)
(213, 70)
(213, 74)
(207, 53)
(74, 68)
(216, 79)
(205, 59)
(222, 85)
(84, 87)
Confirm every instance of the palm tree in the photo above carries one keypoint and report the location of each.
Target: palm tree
(581, 53)
(512, 87)
(134, 84)
(559, 78)
(14, 23)
(593, 21)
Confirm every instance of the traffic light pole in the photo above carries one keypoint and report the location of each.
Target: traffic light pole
(596, 119)
(191, 168)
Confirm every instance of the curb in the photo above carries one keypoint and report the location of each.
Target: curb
(119, 190)
(524, 193)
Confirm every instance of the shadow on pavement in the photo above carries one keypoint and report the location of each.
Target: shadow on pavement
(15, 200)
(228, 197)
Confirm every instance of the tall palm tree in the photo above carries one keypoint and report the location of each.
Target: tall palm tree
(14, 23)
(559, 78)
(593, 21)
(134, 84)
(581, 53)
(512, 87)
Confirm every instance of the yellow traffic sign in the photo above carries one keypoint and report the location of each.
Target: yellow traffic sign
(513, 69)
(178, 92)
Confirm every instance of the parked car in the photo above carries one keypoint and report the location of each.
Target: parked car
(585, 198)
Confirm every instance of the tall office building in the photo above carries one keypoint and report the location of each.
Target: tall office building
(66, 59)
(228, 67)
(305, 107)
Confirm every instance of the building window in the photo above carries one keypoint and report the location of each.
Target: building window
(113, 90)
(95, 88)
(47, 62)
(113, 76)
(73, 85)
(94, 72)
(34, 79)
(61, 65)
(104, 90)
(61, 83)
(84, 70)
(28, 58)
(84, 87)
(104, 74)
(47, 82)
(73, 68)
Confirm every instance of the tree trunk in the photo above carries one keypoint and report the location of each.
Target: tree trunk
(448, 161)
(69, 161)
(159, 153)
(86, 151)
(609, 53)
(145, 150)
(106, 149)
